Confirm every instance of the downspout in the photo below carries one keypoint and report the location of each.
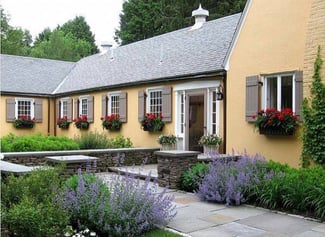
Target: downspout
(48, 116)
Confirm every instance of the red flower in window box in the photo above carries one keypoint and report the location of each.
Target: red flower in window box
(24, 121)
(81, 122)
(63, 122)
(274, 122)
(152, 122)
(112, 122)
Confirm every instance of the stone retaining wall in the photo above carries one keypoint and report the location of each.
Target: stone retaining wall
(107, 157)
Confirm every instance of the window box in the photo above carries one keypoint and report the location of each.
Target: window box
(81, 122)
(112, 122)
(152, 123)
(275, 131)
(24, 122)
(63, 122)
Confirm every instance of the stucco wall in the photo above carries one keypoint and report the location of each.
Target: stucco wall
(40, 127)
(131, 129)
(272, 40)
(315, 38)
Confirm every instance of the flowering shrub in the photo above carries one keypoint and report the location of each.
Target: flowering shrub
(81, 122)
(227, 181)
(167, 139)
(123, 208)
(152, 122)
(212, 139)
(63, 122)
(111, 122)
(274, 119)
(24, 121)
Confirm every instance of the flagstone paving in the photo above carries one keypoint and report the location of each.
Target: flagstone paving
(196, 218)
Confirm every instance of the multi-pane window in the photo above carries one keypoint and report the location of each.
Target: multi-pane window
(182, 112)
(64, 108)
(114, 105)
(155, 101)
(278, 91)
(83, 106)
(24, 107)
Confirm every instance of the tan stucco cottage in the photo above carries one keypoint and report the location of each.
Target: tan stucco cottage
(205, 79)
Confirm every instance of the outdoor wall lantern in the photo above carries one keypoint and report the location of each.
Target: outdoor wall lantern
(219, 93)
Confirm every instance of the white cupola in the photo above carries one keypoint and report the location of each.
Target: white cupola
(200, 16)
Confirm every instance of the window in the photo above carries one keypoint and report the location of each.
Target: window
(154, 101)
(214, 125)
(24, 107)
(83, 107)
(64, 108)
(278, 91)
(114, 103)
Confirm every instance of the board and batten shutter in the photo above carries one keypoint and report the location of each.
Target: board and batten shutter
(141, 104)
(58, 109)
(38, 110)
(104, 105)
(76, 108)
(299, 93)
(167, 103)
(123, 107)
(69, 109)
(251, 97)
(90, 101)
(10, 110)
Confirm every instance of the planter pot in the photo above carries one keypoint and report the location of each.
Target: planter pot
(150, 128)
(210, 150)
(274, 131)
(113, 128)
(168, 147)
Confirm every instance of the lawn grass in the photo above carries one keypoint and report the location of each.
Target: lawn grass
(161, 233)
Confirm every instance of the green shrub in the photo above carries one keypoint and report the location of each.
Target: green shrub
(92, 140)
(28, 203)
(192, 177)
(120, 142)
(36, 142)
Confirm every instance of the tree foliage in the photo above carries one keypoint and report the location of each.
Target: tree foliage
(14, 40)
(313, 135)
(142, 19)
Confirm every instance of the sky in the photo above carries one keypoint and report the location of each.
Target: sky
(35, 15)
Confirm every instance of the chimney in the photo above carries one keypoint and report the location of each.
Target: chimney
(200, 16)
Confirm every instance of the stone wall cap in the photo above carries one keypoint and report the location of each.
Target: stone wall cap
(176, 153)
(70, 159)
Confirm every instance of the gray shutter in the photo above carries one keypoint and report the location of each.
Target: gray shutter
(69, 109)
(10, 110)
(76, 108)
(251, 97)
(299, 93)
(90, 101)
(123, 107)
(104, 105)
(38, 110)
(57, 108)
(167, 104)
(141, 104)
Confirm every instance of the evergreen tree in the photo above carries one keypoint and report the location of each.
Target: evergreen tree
(141, 19)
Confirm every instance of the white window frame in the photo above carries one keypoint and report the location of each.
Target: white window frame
(32, 106)
(109, 104)
(149, 91)
(63, 100)
(265, 87)
(81, 99)
(210, 112)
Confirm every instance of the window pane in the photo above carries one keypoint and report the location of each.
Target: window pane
(115, 104)
(84, 107)
(272, 94)
(64, 108)
(24, 108)
(155, 101)
(286, 92)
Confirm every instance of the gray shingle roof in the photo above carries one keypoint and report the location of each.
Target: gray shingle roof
(178, 53)
(32, 75)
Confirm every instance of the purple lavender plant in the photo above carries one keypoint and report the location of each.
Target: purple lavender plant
(227, 181)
